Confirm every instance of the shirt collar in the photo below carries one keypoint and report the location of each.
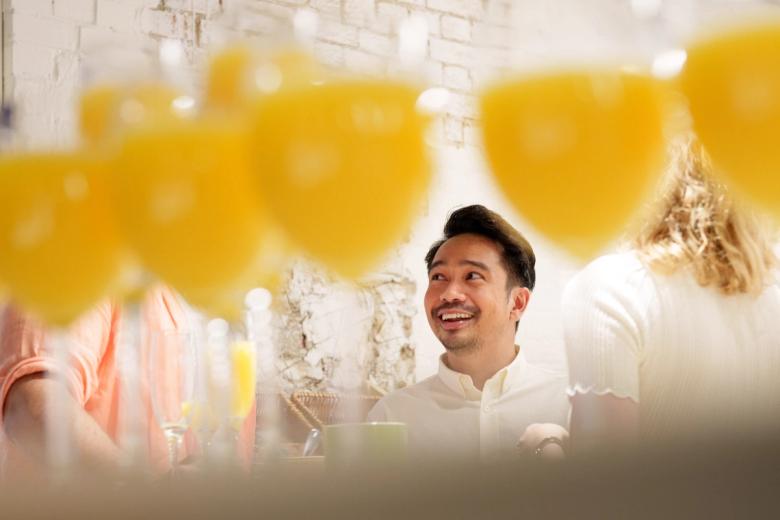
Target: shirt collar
(462, 385)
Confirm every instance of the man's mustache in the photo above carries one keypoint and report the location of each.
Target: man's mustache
(454, 306)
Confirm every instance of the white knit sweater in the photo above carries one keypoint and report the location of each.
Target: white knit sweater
(700, 364)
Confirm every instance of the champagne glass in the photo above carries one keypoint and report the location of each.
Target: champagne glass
(173, 371)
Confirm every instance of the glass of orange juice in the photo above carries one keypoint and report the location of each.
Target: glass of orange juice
(574, 135)
(61, 254)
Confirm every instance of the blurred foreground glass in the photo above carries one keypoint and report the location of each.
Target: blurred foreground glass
(574, 133)
(231, 378)
(60, 255)
(331, 150)
(732, 81)
(173, 381)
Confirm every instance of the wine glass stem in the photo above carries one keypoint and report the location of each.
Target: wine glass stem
(173, 446)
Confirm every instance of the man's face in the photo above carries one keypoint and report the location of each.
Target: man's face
(467, 302)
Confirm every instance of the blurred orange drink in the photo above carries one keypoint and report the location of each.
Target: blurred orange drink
(575, 152)
(101, 106)
(732, 81)
(243, 365)
(343, 166)
(187, 203)
(237, 75)
(59, 250)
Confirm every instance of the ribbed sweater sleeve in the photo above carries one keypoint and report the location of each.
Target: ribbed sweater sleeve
(605, 321)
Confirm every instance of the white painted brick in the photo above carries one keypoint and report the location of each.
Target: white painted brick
(376, 43)
(168, 24)
(453, 53)
(59, 34)
(209, 7)
(472, 135)
(433, 19)
(79, 10)
(465, 8)
(41, 7)
(388, 17)
(329, 53)
(258, 23)
(434, 73)
(7, 65)
(359, 13)
(492, 35)
(152, 4)
(416, 3)
(32, 61)
(499, 12)
(67, 70)
(332, 7)
(453, 131)
(118, 15)
(457, 78)
(335, 32)
(454, 28)
(282, 12)
(293, 2)
(363, 62)
(463, 106)
(434, 134)
(91, 36)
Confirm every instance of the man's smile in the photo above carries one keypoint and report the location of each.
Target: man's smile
(454, 319)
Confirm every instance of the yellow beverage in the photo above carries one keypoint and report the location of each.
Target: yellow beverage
(732, 81)
(343, 166)
(97, 110)
(238, 74)
(204, 423)
(187, 204)
(575, 151)
(59, 250)
(243, 364)
(104, 107)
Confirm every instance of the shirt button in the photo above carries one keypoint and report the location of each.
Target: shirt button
(487, 409)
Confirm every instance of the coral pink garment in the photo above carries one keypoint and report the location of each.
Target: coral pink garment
(93, 376)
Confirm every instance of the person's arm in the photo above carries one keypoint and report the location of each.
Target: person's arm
(603, 423)
(534, 439)
(24, 421)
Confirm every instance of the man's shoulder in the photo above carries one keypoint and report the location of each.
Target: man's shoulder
(403, 396)
(415, 391)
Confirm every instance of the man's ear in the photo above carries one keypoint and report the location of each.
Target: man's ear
(520, 297)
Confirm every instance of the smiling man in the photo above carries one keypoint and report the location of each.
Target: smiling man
(486, 402)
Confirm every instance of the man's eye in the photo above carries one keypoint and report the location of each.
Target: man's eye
(473, 276)
(436, 277)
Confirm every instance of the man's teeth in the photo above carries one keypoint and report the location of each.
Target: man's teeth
(455, 316)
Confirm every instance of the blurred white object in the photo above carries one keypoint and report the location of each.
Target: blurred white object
(669, 64)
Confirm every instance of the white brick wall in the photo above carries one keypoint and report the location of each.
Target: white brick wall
(118, 15)
(78, 10)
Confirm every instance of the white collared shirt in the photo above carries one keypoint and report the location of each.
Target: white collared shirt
(448, 417)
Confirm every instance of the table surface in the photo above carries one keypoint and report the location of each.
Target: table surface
(734, 481)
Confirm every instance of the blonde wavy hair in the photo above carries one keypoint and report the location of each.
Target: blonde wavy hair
(695, 224)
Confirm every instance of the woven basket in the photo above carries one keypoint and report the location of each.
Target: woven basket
(293, 424)
(322, 409)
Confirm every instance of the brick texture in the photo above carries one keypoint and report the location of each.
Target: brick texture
(78, 10)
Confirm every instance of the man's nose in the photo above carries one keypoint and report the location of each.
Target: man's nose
(453, 292)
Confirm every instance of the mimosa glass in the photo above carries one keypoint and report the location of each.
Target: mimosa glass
(173, 382)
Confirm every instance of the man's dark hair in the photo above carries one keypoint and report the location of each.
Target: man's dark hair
(517, 256)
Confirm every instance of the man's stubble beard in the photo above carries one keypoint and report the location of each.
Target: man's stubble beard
(466, 345)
